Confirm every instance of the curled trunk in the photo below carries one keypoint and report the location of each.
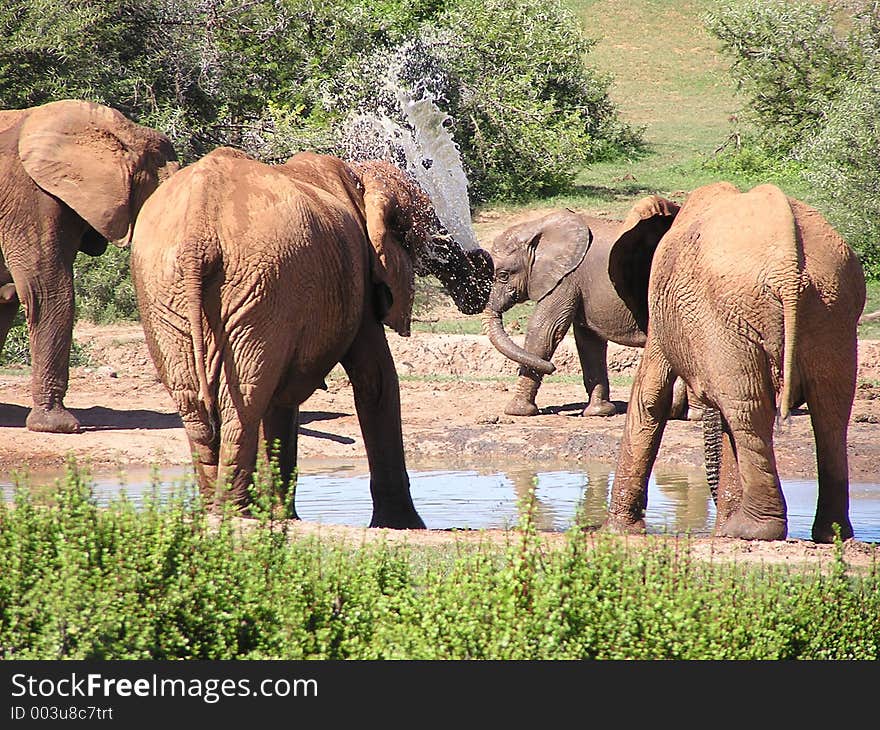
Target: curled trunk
(494, 329)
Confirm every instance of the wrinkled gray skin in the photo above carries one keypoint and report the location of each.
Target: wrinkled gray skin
(754, 302)
(560, 261)
(73, 176)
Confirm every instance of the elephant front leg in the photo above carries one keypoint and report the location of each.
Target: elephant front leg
(370, 367)
(48, 303)
(547, 326)
(646, 417)
(593, 355)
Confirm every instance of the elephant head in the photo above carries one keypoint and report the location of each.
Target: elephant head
(408, 239)
(98, 162)
(532, 259)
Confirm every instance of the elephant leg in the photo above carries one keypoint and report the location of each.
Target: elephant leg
(547, 326)
(761, 514)
(48, 304)
(370, 368)
(728, 496)
(280, 432)
(830, 406)
(646, 416)
(593, 354)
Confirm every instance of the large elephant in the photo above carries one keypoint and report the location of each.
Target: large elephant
(560, 261)
(753, 301)
(254, 280)
(73, 176)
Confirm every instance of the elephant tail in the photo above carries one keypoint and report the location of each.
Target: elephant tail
(193, 264)
(790, 293)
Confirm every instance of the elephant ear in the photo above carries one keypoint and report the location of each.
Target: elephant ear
(558, 244)
(388, 222)
(629, 262)
(72, 151)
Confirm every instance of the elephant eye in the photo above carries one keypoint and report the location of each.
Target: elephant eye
(503, 276)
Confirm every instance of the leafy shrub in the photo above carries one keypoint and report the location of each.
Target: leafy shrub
(789, 58)
(103, 287)
(843, 160)
(163, 579)
(810, 74)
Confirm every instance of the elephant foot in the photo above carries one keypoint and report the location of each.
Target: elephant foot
(521, 407)
(602, 408)
(52, 420)
(619, 525)
(824, 531)
(397, 520)
(743, 527)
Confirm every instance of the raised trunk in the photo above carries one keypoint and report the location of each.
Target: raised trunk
(494, 329)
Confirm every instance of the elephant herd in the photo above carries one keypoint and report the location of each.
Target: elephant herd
(254, 280)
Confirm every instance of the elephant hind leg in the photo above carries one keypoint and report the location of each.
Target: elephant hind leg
(830, 405)
(593, 355)
(646, 416)
(761, 514)
(280, 433)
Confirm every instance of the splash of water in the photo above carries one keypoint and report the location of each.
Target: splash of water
(420, 144)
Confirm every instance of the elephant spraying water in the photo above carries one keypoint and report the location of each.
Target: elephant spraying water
(255, 280)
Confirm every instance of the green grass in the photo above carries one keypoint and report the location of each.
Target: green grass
(670, 79)
(166, 580)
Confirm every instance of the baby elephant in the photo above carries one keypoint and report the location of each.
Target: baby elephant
(561, 261)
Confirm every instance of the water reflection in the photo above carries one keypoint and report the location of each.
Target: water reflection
(493, 498)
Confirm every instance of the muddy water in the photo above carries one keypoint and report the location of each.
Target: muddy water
(493, 498)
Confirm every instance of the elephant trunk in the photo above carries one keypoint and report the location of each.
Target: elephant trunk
(493, 327)
(465, 275)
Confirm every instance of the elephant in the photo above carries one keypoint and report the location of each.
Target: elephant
(560, 261)
(753, 301)
(253, 281)
(73, 176)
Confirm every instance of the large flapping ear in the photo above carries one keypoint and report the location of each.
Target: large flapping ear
(559, 242)
(629, 263)
(71, 149)
(388, 219)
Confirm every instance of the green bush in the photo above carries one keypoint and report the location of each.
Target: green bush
(843, 161)
(811, 75)
(790, 58)
(103, 287)
(160, 578)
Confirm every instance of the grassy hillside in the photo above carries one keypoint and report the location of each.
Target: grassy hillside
(669, 78)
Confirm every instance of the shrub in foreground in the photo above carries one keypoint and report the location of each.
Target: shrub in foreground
(160, 578)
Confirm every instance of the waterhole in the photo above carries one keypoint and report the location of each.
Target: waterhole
(495, 498)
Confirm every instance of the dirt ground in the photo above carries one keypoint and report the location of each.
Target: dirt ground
(130, 422)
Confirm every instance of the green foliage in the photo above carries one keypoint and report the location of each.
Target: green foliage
(790, 59)
(160, 578)
(103, 287)
(810, 73)
(842, 162)
(528, 112)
